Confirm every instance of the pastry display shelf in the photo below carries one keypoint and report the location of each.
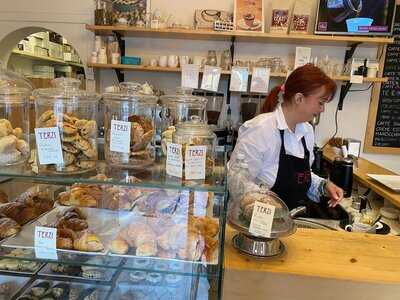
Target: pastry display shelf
(224, 72)
(198, 34)
(47, 59)
(152, 177)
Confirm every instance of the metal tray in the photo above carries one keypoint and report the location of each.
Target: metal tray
(104, 290)
(102, 222)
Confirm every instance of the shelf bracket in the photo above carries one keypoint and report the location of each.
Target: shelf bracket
(350, 52)
(120, 75)
(343, 92)
(232, 50)
(121, 44)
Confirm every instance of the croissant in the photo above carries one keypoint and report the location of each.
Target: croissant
(8, 227)
(88, 241)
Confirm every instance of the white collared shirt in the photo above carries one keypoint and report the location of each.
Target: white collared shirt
(260, 142)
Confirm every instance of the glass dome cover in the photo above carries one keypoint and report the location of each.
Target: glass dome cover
(194, 127)
(187, 100)
(13, 85)
(240, 213)
(131, 91)
(66, 89)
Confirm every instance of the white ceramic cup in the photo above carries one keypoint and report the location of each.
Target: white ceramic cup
(184, 60)
(153, 62)
(372, 71)
(198, 60)
(172, 61)
(163, 61)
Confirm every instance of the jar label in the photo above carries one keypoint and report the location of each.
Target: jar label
(195, 162)
(262, 219)
(120, 136)
(49, 146)
(174, 160)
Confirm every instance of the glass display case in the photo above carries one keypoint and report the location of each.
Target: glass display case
(121, 234)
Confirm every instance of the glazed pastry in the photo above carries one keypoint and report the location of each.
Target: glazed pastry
(173, 278)
(119, 246)
(60, 290)
(154, 277)
(87, 241)
(40, 289)
(5, 288)
(137, 276)
(73, 294)
(142, 263)
(92, 272)
(8, 227)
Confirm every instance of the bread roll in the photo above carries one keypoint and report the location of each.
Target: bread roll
(119, 246)
(88, 241)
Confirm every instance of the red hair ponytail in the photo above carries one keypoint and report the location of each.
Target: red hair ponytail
(304, 80)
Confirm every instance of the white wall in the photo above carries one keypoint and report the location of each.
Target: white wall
(68, 19)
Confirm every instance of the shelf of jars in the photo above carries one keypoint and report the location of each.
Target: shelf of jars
(143, 68)
(47, 58)
(198, 34)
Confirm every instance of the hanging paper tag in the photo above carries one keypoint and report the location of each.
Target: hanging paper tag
(260, 80)
(195, 162)
(190, 76)
(303, 56)
(262, 219)
(239, 79)
(120, 136)
(49, 146)
(174, 160)
(211, 76)
(45, 242)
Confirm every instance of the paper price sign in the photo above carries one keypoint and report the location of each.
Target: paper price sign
(120, 139)
(195, 162)
(211, 76)
(46, 242)
(262, 219)
(239, 79)
(49, 146)
(190, 76)
(174, 160)
(260, 80)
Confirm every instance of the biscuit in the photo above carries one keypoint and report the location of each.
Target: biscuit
(81, 144)
(89, 130)
(8, 144)
(69, 129)
(90, 153)
(86, 164)
(17, 132)
(23, 147)
(69, 158)
(47, 115)
(69, 138)
(9, 157)
(69, 148)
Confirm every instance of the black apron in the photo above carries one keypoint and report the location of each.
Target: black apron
(294, 176)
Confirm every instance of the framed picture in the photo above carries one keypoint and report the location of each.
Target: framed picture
(249, 15)
(131, 12)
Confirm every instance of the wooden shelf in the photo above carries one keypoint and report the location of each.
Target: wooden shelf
(240, 36)
(177, 70)
(46, 58)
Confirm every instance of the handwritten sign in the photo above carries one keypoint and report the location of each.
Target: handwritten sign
(49, 145)
(120, 139)
(174, 160)
(195, 162)
(46, 242)
(190, 76)
(211, 77)
(262, 219)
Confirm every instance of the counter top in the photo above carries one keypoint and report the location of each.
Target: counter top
(360, 170)
(326, 254)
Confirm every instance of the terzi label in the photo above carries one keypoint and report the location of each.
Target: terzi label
(195, 162)
(262, 219)
(45, 242)
(49, 145)
(120, 136)
(174, 164)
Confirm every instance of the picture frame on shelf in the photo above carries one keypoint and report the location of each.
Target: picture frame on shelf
(249, 15)
(131, 12)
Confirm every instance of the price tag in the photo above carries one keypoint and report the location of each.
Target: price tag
(174, 160)
(49, 146)
(120, 136)
(239, 79)
(195, 162)
(261, 220)
(260, 80)
(303, 56)
(190, 76)
(211, 76)
(46, 242)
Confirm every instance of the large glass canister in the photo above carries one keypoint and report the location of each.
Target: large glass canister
(129, 127)
(14, 118)
(177, 109)
(196, 133)
(74, 112)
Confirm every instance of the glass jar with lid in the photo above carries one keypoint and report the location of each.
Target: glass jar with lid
(196, 133)
(73, 113)
(129, 123)
(14, 118)
(177, 109)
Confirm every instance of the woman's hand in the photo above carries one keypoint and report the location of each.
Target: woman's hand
(334, 192)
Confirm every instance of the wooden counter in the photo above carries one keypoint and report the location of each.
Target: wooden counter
(360, 170)
(326, 254)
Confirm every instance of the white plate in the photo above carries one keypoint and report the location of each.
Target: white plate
(391, 181)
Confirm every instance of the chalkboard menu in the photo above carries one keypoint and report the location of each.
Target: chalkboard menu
(387, 126)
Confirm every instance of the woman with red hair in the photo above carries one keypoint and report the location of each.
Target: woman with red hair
(278, 144)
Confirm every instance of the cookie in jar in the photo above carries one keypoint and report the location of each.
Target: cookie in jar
(129, 128)
(72, 114)
(15, 92)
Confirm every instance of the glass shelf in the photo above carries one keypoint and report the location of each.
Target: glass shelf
(152, 177)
